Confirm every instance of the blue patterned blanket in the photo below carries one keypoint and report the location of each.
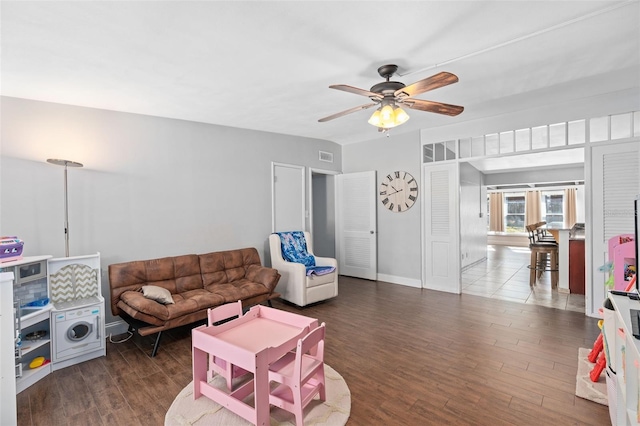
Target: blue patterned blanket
(294, 249)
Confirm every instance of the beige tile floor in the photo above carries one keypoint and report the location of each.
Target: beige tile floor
(505, 275)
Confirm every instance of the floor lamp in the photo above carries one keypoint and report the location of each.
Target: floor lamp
(66, 164)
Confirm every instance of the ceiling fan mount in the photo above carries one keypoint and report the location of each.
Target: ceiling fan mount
(387, 71)
(394, 93)
(387, 87)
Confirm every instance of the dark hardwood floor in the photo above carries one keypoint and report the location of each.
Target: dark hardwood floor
(409, 357)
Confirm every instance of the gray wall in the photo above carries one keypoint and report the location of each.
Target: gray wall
(399, 239)
(150, 186)
(473, 226)
(398, 233)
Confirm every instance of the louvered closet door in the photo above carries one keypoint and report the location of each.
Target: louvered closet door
(356, 225)
(615, 184)
(441, 253)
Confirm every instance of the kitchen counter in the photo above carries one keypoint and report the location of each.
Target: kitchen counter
(571, 261)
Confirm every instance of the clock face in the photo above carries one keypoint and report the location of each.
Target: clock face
(398, 191)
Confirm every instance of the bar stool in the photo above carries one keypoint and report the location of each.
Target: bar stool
(542, 235)
(544, 257)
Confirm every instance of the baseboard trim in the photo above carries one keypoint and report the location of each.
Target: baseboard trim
(409, 282)
(115, 328)
(472, 264)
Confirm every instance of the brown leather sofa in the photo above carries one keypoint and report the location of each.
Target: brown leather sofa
(195, 282)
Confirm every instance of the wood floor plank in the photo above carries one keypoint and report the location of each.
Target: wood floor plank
(90, 417)
(123, 417)
(409, 356)
(23, 406)
(75, 394)
(110, 401)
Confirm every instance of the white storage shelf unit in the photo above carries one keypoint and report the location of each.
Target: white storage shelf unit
(30, 284)
(624, 398)
(36, 322)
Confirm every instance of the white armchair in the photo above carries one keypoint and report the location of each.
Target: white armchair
(294, 285)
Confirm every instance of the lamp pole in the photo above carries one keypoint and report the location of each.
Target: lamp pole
(66, 164)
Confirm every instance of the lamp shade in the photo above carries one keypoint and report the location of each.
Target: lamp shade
(400, 116)
(388, 116)
(374, 120)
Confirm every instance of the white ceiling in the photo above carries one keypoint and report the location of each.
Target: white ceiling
(267, 65)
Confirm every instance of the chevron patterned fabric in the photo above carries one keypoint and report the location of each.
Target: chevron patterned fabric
(74, 282)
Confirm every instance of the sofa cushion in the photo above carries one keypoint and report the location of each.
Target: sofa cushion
(185, 303)
(176, 274)
(212, 268)
(266, 276)
(238, 290)
(227, 266)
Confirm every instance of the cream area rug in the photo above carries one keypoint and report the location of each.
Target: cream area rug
(203, 411)
(585, 388)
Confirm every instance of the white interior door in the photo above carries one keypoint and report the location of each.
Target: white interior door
(441, 223)
(356, 225)
(287, 198)
(614, 185)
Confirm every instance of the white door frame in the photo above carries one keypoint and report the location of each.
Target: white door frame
(310, 192)
(596, 246)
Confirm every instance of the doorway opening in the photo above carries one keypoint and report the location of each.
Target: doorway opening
(322, 211)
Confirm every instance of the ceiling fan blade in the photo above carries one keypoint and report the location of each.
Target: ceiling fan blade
(431, 106)
(349, 111)
(435, 81)
(355, 90)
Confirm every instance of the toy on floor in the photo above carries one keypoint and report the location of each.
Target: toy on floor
(597, 347)
(598, 354)
(597, 351)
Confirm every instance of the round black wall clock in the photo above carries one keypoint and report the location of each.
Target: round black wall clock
(398, 191)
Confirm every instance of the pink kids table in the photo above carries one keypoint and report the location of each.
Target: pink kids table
(252, 341)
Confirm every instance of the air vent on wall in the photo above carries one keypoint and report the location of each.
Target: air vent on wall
(326, 156)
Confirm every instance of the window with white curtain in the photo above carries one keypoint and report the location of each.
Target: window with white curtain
(514, 207)
(552, 205)
(514, 212)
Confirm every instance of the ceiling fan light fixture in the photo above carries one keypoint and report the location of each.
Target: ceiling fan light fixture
(388, 94)
(388, 116)
(400, 116)
(374, 120)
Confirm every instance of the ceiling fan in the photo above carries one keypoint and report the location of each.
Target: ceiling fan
(389, 96)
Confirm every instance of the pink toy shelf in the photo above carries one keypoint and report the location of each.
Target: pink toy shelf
(622, 255)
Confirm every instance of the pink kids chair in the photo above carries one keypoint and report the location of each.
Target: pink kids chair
(217, 365)
(300, 375)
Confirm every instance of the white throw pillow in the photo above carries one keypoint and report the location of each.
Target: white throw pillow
(159, 294)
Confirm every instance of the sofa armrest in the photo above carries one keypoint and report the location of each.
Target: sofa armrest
(326, 261)
(290, 267)
(268, 277)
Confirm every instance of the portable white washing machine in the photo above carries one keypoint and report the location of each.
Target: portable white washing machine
(78, 332)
